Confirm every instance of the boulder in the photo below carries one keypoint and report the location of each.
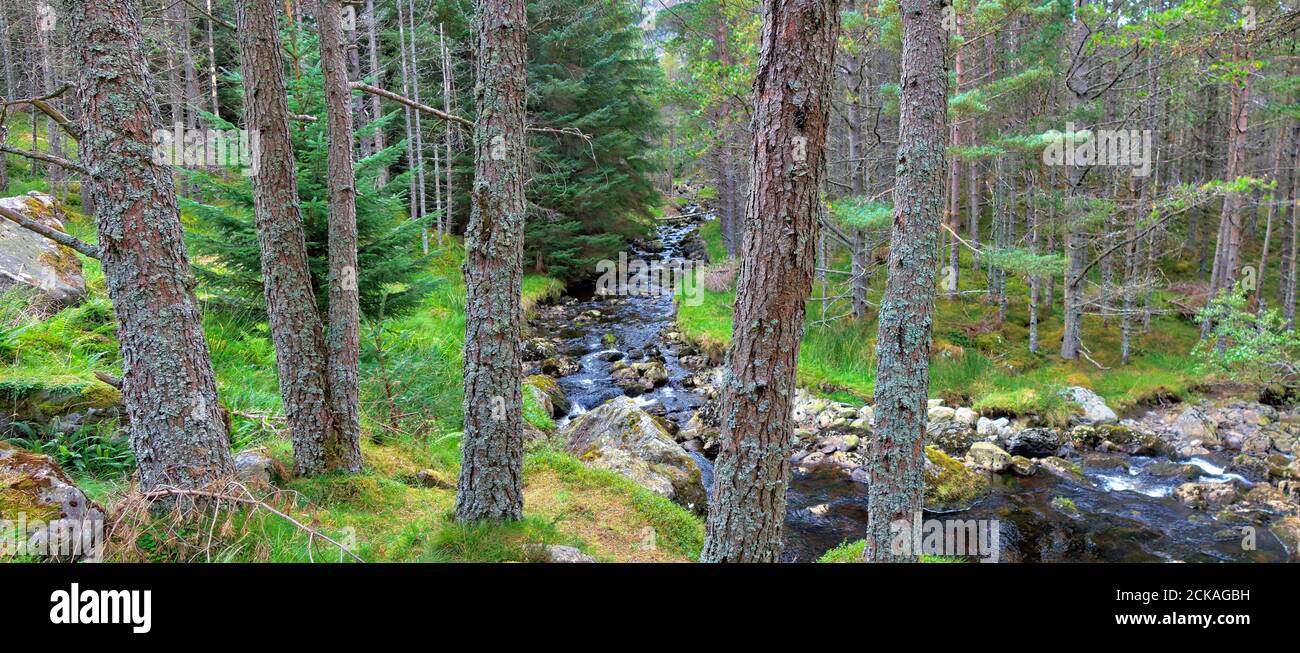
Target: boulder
(967, 416)
(561, 365)
(950, 485)
(60, 521)
(625, 439)
(29, 259)
(1034, 443)
(1095, 410)
(953, 437)
(1207, 496)
(257, 467)
(537, 349)
(653, 372)
(548, 393)
(1288, 533)
(1192, 425)
(987, 455)
(941, 414)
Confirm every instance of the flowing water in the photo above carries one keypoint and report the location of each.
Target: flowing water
(1121, 510)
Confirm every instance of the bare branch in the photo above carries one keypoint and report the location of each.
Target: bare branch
(53, 234)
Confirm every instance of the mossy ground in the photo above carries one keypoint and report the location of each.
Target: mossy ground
(852, 552)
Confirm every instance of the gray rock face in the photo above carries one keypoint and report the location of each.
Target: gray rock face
(625, 439)
(1095, 410)
(1034, 443)
(32, 260)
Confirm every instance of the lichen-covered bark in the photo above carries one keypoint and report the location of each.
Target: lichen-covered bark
(291, 306)
(896, 461)
(491, 477)
(343, 337)
(168, 387)
(791, 98)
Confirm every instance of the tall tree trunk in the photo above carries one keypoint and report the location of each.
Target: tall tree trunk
(376, 74)
(1076, 88)
(343, 336)
(290, 303)
(791, 100)
(491, 476)
(168, 386)
(896, 461)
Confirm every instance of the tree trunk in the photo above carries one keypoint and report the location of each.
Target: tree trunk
(896, 461)
(491, 476)
(791, 99)
(168, 386)
(376, 74)
(1227, 260)
(343, 336)
(290, 303)
(1076, 87)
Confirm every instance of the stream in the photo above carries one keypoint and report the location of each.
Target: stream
(1120, 510)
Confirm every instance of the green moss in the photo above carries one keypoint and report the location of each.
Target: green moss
(950, 484)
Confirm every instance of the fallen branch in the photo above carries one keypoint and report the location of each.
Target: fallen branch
(48, 158)
(401, 99)
(246, 498)
(463, 122)
(53, 234)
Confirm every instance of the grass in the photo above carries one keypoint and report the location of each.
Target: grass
(975, 360)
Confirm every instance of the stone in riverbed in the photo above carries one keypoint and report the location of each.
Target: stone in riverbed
(950, 485)
(1034, 443)
(989, 456)
(1192, 426)
(561, 365)
(1207, 496)
(953, 437)
(625, 439)
(548, 393)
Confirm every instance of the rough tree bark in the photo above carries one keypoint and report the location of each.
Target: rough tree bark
(491, 476)
(343, 337)
(290, 303)
(791, 99)
(168, 386)
(896, 460)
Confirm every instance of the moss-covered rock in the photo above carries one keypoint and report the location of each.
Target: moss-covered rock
(548, 393)
(621, 437)
(950, 485)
